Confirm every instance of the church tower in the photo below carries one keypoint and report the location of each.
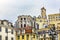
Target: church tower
(43, 12)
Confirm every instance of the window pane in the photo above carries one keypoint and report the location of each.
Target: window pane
(0, 37)
(6, 30)
(21, 25)
(27, 37)
(6, 38)
(24, 18)
(11, 38)
(2, 22)
(22, 36)
(12, 31)
(33, 36)
(0, 29)
(24, 25)
(21, 18)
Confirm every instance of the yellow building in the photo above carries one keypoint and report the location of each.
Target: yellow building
(46, 35)
(25, 34)
(54, 19)
(28, 37)
(42, 20)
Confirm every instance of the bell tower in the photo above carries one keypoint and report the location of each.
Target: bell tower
(43, 12)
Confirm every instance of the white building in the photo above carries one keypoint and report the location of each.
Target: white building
(7, 32)
(24, 21)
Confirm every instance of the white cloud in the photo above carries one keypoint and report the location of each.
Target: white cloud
(10, 9)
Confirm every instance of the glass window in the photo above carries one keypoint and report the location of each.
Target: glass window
(21, 18)
(27, 37)
(12, 38)
(22, 36)
(53, 25)
(21, 25)
(6, 30)
(24, 18)
(0, 29)
(59, 16)
(34, 24)
(0, 37)
(1, 22)
(24, 25)
(37, 26)
(33, 36)
(23, 31)
(6, 38)
(12, 31)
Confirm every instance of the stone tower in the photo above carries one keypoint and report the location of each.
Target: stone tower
(43, 12)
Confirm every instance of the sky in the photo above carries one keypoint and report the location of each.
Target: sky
(11, 9)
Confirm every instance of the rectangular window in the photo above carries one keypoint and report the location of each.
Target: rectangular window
(27, 37)
(21, 18)
(12, 38)
(34, 24)
(6, 38)
(21, 25)
(0, 37)
(1, 22)
(37, 26)
(0, 29)
(24, 25)
(6, 30)
(24, 18)
(22, 36)
(33, 36)
(12, 31)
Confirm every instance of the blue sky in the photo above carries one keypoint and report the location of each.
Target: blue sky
(11, 9)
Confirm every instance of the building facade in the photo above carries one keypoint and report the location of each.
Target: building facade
(54, 19)
(38, 28)
(27, 27)
(7, 32)
(23, 21)
(42, 20)
(47, 33)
